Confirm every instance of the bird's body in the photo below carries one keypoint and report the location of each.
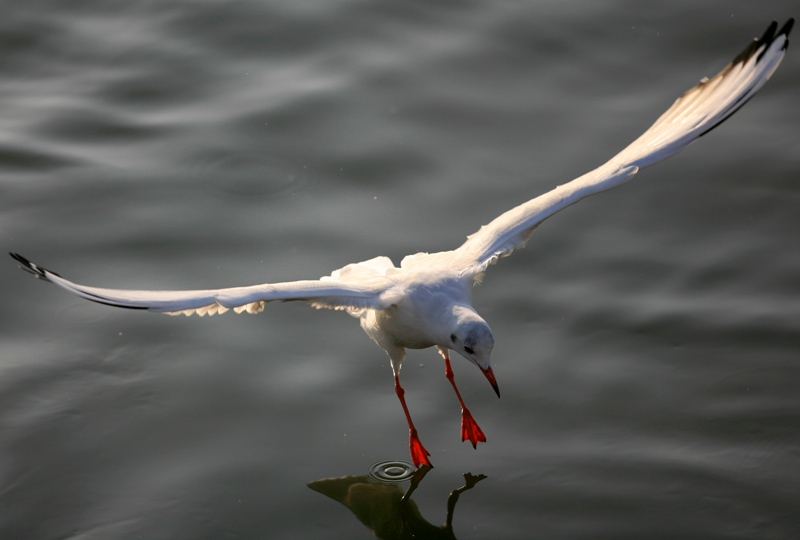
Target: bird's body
(428, 290)
(427, 300)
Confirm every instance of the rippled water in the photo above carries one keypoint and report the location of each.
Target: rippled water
(390, 472)
(648, 339)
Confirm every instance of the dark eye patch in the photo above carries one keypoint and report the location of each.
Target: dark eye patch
(453, 338)
(469, 350)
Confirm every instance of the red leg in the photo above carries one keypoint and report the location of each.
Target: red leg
(469, 427)
(418, 453)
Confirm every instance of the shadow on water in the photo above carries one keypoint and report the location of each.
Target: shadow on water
(386, 510)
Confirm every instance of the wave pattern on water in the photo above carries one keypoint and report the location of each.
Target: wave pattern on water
(647, 338)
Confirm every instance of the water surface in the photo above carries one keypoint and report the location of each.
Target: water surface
(648, 339)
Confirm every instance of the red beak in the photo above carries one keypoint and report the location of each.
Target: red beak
(490, 376)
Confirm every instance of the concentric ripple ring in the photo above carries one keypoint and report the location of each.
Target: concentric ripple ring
(390, 472)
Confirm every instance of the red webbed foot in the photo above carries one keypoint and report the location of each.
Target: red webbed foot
(470, 429)
(418, 453)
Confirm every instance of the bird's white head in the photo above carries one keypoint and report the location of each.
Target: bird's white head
(471, 337)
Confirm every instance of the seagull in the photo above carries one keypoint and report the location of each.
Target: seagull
(427, 300)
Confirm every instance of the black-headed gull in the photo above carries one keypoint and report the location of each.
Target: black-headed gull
(426, 302)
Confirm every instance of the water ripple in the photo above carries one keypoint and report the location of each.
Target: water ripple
(390, 472)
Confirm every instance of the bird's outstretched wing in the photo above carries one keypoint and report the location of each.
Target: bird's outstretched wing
(375, 293)
(695, 113)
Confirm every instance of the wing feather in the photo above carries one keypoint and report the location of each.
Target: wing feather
(695, 113)
(374, 293)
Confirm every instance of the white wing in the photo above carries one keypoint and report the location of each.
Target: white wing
(694, 114)
(373, 293)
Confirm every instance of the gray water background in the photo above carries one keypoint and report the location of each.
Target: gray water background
(648, 339)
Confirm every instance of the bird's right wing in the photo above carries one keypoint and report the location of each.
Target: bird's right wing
(695, 113)
(374, 293)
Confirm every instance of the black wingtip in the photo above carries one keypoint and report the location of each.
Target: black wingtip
(786, 30)
(770, 35)
(44, 274)
(32, 268)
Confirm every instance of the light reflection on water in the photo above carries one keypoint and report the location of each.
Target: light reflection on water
(646, 340)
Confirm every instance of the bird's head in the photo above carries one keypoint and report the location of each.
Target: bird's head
(472, 338)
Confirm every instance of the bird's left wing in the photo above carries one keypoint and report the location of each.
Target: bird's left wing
(376, 293)
(694, 114)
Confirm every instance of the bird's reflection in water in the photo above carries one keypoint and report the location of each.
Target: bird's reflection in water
(388, 512)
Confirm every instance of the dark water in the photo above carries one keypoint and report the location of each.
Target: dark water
(648, 339)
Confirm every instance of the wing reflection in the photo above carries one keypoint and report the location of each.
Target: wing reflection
(388, 512)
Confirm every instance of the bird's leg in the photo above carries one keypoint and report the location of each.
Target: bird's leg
(418, 453)
(469, 427)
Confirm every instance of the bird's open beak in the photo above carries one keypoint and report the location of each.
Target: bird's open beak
(490, 375)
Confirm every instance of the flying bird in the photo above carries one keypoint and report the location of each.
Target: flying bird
(427, 300)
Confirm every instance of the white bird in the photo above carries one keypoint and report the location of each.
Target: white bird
(427, 300)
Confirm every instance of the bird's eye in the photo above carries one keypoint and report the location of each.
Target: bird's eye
(453, 338)
(469, 350)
